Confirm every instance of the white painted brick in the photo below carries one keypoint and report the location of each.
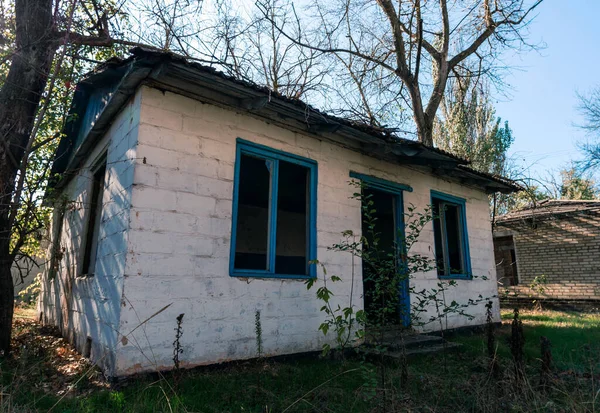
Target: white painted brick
(158, 157)
(145, 174)
(223, 208)
(169, 101)
(214, 188)
(195, 204)
(176, 180)
(225, 171)
(195, 228)
(193, 245)
(199, 166)
(146, 197)
(161, 117)
(95, 309)
(205, 128)
(143, 264)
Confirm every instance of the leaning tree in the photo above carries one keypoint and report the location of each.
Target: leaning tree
(42, 46)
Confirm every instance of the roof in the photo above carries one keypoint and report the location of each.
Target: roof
(105, 90)
(551, 208)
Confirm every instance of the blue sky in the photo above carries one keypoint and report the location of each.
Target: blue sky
(542, 105)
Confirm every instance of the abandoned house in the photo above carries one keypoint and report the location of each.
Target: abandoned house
(550, 253)
(183, 191)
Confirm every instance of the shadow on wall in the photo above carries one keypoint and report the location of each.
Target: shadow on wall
(86, 308)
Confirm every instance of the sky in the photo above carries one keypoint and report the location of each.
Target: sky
(541, 106)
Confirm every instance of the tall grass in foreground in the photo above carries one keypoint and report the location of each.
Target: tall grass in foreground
(42, 377)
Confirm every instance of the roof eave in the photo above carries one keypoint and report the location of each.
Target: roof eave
(168, 72)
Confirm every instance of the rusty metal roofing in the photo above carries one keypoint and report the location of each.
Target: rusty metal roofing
(117, 79)
(551, 208)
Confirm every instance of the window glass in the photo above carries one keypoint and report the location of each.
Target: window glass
(292, 225)
(450, 254)
(454, 240)
(439, 240)
(253, 214)
(274, 232)
(94, 217)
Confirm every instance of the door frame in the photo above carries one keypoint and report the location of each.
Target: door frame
(397, 191)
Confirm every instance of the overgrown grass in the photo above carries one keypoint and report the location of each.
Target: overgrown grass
(452, 382)
(575, 338)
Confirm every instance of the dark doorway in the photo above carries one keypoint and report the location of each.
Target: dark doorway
(380, 226)
(506, 261)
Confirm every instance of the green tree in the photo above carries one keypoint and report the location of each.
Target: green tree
(576, 186)
(468, 127)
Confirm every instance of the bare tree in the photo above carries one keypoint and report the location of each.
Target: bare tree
(278, 63)
(252, 48)
(589, 108)
(416, 44)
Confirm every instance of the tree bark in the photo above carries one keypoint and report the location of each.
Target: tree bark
(19, 99)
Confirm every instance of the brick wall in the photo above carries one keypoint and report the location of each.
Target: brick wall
(180, 232)
(90, 306)
(565, 249)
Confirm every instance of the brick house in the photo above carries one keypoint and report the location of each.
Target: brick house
(557, 241)
(184, 191)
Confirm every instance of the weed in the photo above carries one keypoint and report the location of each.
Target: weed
(177, 350)
(258, 330)
(517, 343)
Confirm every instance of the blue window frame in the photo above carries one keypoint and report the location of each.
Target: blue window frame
(274, 220)
(452, 256)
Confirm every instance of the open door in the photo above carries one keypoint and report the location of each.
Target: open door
(386, 223)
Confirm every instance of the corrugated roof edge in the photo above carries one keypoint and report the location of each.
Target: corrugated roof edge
(148, 58)
(549, 208)
(372, 130)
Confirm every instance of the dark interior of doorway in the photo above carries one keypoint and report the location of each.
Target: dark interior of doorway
(380, 308)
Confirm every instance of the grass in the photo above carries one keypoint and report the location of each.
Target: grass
(46, 375)
(575, 338)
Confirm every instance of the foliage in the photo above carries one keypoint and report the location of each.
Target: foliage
(470, 129)
(517, 344)
(537, 287)
(177, 350)
(347, 323)
(576, 186)
(45, 368)
(258, 331)
(386, 271)
(32, 291)
(530, 196)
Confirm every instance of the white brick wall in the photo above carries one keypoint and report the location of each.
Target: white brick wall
(90, 306)
(178, 252)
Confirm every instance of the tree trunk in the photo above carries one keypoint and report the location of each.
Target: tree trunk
(19, 100)
(425, 130)
(422, 120)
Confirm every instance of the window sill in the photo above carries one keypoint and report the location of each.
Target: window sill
(258, 274)
(85, 276)
(455, 277)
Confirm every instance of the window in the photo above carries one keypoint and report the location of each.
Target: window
(274, 213)
(506, 260)
(450, 233)
(94, 216)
